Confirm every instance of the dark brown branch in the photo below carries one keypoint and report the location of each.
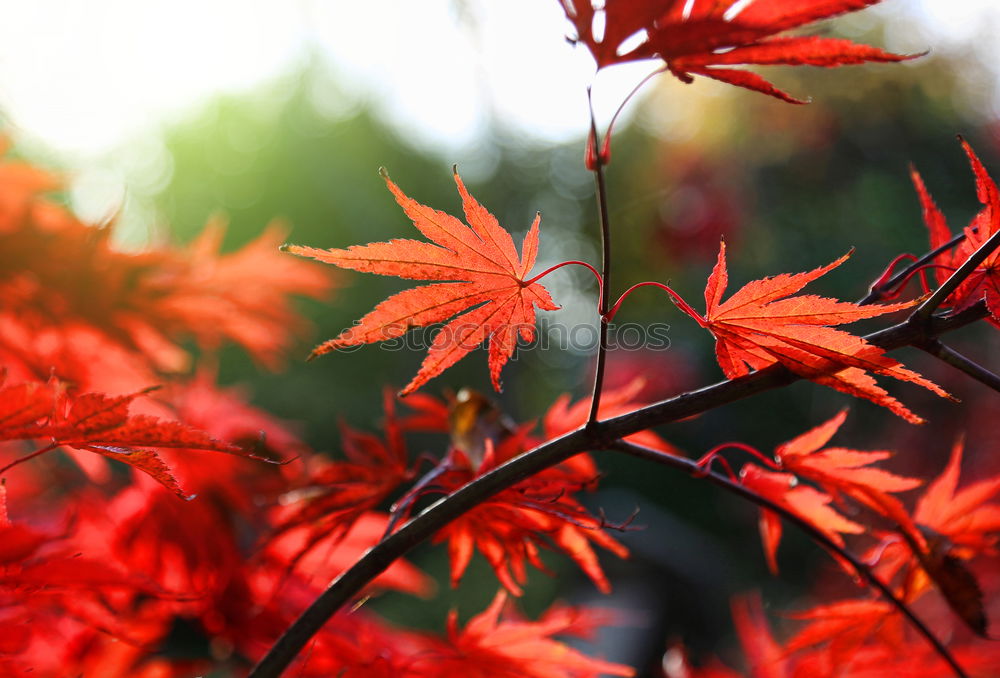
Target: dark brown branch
(693, 469)
(599, 434)
(960, 362)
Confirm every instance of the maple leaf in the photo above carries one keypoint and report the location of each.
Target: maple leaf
(55, 581)
(706, 37)
(847, 624)
(948, 528)
(764, 655)
(806, 502)
(984, 282)
(64, 288)
(956, 525)
(60, 277)
(758, 326)
(242, 296)
(856, 638)
(493, 647)
(509, 528)
(337, 493)
(839, 470)
(21, 406)
(360, 645)
(322, 560)
(844, 626)
(225, 414)
(482, 270)
(99, 423)
(965, 516)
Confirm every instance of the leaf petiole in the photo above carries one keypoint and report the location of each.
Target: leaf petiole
(676, 298)
(551, 269)
(715, 453)
(26, 457)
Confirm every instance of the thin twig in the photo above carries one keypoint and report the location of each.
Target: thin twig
(21, 460)
(694, 470)
(602, 209)
(960, 362)
(599, 434)
(876, 292)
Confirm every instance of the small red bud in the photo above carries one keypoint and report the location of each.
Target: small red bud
(590, 155)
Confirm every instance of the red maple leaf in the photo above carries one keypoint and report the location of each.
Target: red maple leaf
(357, 645)
(67, 294)
(856, 638)
(99, 423)
(509, 528)
(758, 326)
(321, 560)
(242, 296)
(226, 414)
(541, 511)
(842, 627)
(482, 272)
(337, 493)
(984, 282)
(844, 471)
(949, 527)
(705, 37)
(494, 647)
(765, 656)
(54, 581)
(806, 502)
(966, 516)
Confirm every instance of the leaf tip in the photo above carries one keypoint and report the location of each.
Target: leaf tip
(409, 388)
